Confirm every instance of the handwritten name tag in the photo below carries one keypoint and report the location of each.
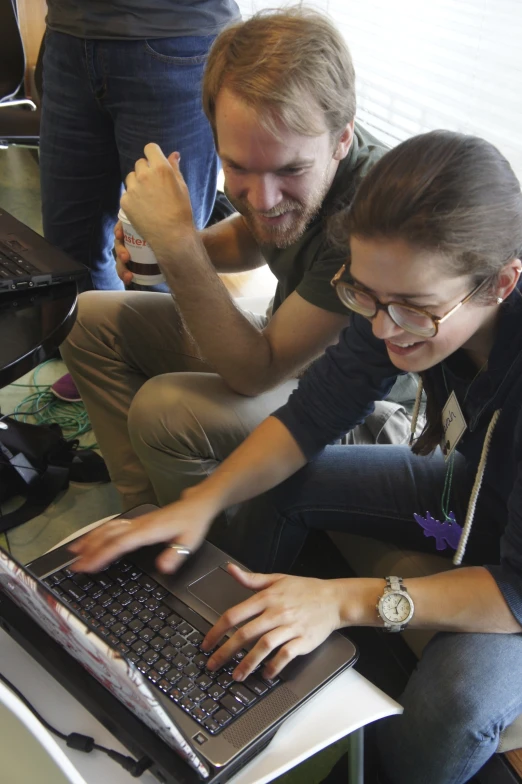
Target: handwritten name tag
(453, 424)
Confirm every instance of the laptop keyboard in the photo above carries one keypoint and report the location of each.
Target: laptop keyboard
(130, 610)
(13, 266)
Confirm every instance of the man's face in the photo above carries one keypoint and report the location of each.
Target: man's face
(277, 183)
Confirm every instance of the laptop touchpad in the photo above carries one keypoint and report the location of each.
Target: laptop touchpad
(219, 590)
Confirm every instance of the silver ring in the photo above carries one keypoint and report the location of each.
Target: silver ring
(180, 549)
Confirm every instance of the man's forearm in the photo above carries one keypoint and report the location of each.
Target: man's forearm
(236, 349)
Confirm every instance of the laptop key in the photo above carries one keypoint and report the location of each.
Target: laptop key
(73, 590)
(222, 717)
(135, 625)
(88, 603)
(151, 603)
(103, 631)
(195, 638)
(165, 685)
(153, 675)
(108, 619)
(189, 651)
(162, 666)
(256, 685)
(204, 681)
(176, 694)
(147, 582)
(156, 624)
(141, 595)
(185, 629)
(105, 600)
(187, 704)
(225, 680)
(200, 661)
(150, 657)
(95, 591)
(132, 587)
(159, 592)
(145, 615)
(98, 611)
(198, 714)
(173, 675)
(209, 706)
(115, 608)
(101, 579)
(125, 599)
(139, 646)
(179, 661)
(135, 609)
(118, 629)
(83, 581)
(211, 725)
(185, 685)
(191, 671)
(173, 620)
(158, 643)
(167, 632)
(125, 616)
(146, 634)
(243, 694)
(215, 691)
(197, 694)
(232, 705)
(129, 637)
(133, 657)
(178, 641)
(143, 667)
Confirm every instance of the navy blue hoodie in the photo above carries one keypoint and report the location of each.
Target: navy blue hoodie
(339, 390)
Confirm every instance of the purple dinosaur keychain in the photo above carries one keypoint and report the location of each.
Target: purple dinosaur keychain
(446, 533)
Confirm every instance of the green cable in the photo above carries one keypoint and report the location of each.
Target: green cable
(72, 417)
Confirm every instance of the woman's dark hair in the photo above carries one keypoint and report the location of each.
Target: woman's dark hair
(445, 192)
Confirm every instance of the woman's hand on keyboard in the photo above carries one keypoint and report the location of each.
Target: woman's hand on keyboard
(292, 615)
(183, 523)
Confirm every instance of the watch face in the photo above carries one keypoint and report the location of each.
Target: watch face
(395, 607)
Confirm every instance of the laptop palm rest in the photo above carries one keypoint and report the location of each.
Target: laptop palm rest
(219, 590)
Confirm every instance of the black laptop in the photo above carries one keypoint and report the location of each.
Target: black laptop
(138, 632)
(28, 261)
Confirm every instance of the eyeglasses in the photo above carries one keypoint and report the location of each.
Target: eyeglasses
(408, 317)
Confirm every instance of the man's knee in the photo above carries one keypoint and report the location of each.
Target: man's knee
(187, 415)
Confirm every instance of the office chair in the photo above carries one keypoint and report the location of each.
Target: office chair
(19, 115)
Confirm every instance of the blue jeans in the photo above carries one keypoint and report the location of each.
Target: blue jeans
(103, 101)
(464, 691)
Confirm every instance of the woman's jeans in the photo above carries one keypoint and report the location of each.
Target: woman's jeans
(466, 689)
(103, 101)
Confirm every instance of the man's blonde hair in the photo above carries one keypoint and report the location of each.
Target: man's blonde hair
(284, 63)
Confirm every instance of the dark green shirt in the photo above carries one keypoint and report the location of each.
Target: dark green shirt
(309, 264)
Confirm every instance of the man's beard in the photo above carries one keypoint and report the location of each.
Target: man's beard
(282, 236)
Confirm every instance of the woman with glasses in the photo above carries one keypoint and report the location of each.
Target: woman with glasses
(434, 240)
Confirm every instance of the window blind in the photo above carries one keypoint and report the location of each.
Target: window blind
(427, 64)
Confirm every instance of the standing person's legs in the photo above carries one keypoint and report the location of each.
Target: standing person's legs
(463, 694)
(79, 164)
(154, 95)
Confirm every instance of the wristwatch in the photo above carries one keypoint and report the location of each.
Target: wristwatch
(395, 606)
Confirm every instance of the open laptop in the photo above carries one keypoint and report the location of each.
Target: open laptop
(28, 261)
(138, 632)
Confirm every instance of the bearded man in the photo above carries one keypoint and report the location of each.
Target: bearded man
(174, 382)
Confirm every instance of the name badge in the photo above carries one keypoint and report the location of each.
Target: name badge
(453, 424)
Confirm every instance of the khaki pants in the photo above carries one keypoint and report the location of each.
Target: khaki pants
(162, 418)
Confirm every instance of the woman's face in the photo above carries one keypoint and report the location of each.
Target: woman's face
(394, 271)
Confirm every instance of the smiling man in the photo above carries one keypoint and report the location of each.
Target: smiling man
(173, 384)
